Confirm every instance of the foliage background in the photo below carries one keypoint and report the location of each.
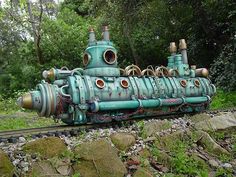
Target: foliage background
(38, 35)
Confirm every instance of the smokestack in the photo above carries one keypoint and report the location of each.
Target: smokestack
(92, 37)
(183, 49)
(106, 35)
(173, 48)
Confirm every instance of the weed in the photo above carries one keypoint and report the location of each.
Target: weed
(82, 134)
(67, 154)
(225, 158)
(155, 152)
(122, 156)
(223, 172)
(217, 135)
(76, 175)
(182, 163)
(140, 125)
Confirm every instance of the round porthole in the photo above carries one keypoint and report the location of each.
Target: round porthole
(197, 83)
(100, 83)
(109, 56)
(86, 59)
(183, 83)
(124, 83)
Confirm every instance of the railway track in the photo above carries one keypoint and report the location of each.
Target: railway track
(12, 136)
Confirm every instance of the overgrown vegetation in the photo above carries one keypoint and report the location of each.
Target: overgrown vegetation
(224, 99)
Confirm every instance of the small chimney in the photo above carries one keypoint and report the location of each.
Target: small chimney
(92, 37)
(106, 35)
(183, 49)
(173, 48)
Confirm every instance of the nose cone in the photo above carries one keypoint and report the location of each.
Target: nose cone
(25, 101)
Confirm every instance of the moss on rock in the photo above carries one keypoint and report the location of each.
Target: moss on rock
(142, 172)
(42, 169)
(6, 167)
(205, 140)
(200, 117)
(122, 141)
(98, 158)
(150, 128)
(46, 147)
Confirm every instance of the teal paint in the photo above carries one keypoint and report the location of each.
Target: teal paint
(75, 97)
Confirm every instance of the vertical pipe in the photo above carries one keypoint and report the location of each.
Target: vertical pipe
(173, 48)
(91, 35)
(106, 35)
(183, 49)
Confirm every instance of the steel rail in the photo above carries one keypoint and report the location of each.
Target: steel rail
(57, 130)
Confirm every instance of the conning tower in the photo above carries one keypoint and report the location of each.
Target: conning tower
(100, 57)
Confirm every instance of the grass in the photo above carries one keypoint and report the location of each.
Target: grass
(25, 120)
(12, 117)
(223, 100)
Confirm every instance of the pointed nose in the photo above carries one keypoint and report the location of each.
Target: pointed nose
(25, 101)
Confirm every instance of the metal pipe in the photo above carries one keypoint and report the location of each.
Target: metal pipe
(183, 49)
(106, 35)
(173, 48)
(202, 72)
(150, 103)
(92, 37)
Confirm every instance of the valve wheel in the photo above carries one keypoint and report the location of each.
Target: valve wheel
(122, 72)
(162, 71)
(133, 70)
(173, 72)
(148, 72)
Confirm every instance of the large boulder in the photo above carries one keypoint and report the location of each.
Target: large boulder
(46, 147)
(221, 121)
(122, 141)
(98, 158)
(150, 128)
(6, 167)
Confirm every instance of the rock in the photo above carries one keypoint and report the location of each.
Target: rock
(24, 164)
(6, 167)
(43, 168)
(26, 169)
(163, 158)
(142, 172)
(150, 128)
(98, 158)
(167, 141)
(226, 165)
(213, 163)
(63, 166)
(16, 161)
(22, 140)
(222, 121)
(123, 141)
(64, 170)
(149, 139)
(46, 147)
(208, 144)
(200, 117)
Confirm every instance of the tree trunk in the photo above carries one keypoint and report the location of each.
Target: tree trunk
(136, 57)
(36, 32)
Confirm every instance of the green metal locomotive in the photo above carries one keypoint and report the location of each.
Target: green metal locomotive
(103, 92)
